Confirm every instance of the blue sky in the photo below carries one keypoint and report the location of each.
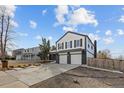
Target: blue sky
(103, 23)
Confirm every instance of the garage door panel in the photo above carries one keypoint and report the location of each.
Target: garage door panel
(76, 59)
(63, 59)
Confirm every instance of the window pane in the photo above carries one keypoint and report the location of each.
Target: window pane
(65, 45)
(78, 43)
(70, 44)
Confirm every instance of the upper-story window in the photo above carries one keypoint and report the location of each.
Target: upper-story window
(68, 44)
(27, 50)
(61, 46)
(88, 46)
(78, 43)
(92, 47)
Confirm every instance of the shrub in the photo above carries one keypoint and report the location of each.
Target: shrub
(19, 66)
(11, 66)
(29, 64)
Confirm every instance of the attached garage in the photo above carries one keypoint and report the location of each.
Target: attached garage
(63, 58)
(70, 58)
(76, 58)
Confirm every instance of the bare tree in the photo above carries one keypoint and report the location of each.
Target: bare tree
(120, 57)
(5, 34)
(104, 54)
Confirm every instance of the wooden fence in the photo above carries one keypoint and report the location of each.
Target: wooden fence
(111, 64)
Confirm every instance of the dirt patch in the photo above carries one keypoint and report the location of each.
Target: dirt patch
(82, 77)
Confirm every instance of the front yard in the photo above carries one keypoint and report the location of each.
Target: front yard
(82, 77)
(51, 75)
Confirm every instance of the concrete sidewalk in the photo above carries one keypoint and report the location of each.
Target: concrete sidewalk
(32, 75)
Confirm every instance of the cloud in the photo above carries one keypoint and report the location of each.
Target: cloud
(65, 28)
(74, 7)
(82, 16)
(121, 19)
(38, 37)
(94, 36)
(123, 8)
(108, 33)
(14, 23)
(33, 24)
(44, 12)
(8, 9)
(71, 16)
(22, 34)
(98, 31)
(108, 40)
(120, 32)
(61, 11)
(50, 38)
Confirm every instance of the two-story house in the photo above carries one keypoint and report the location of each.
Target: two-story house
(75, 48)
(27, 54)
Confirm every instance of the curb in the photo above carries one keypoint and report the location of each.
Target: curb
(113, 71)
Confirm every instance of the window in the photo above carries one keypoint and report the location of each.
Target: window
(77, 43)
(60, 46)
(65, 45)
(70, 44)
(27, 50)
(88, 46)
(92, 47)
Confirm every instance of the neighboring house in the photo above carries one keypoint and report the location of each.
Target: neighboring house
(31, 54)
(26, 54)
(75, 48)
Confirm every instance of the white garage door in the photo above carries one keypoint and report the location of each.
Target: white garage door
(63, 59)
(76, 59)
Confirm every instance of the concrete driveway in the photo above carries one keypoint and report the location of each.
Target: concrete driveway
(32, 75)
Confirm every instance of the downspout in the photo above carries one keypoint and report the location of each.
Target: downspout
(95, 49)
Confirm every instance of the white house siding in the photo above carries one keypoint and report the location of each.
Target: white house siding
(76, 57)
(90, 51)
(89, 55)
(71, 37)
(18, 57)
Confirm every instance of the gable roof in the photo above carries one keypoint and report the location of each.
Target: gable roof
(76, 34)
